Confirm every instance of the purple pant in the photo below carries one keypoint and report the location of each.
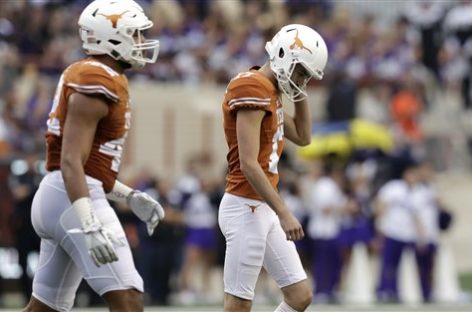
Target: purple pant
(326, 266)
(425, 259)
(391, 254)
(202, 238)
(360, 229)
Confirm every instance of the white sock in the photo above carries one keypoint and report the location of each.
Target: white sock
(284, 307)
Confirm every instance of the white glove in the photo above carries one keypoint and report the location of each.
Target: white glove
(99, 240)
(146, 208)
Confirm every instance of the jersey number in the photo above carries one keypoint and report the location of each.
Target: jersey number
(278, 136)
(53, 123)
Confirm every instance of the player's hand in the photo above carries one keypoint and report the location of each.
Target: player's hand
(292, 228)
(146, 208)
(100, 242)
(99, 239)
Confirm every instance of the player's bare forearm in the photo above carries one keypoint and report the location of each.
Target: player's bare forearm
(258, 180)
(298, 128)
(74, 178)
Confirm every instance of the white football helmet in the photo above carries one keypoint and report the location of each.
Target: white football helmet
(115, 28)
(296, 44)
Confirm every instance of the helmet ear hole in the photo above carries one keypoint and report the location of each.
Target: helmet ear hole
(114, 42)
(281, 53)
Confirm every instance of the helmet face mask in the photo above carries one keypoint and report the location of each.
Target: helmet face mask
(115, 28)
(143, 51)
(294, 83)
(292, 45)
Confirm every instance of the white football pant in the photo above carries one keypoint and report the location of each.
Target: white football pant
(64, 258)
(255, 239)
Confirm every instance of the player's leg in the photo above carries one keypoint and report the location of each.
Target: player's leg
(118, 282)
(34, 305)
(55, 281)
(124, 300)
(282, 262)
(245, 232)
(59, 275)
(236, 304)
(57, 278)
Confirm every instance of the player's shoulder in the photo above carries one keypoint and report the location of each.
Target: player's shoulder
(89, 67)
(90, 76)
(250, 79)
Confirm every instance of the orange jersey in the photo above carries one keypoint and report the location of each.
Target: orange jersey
(92, 77)
(252, 90)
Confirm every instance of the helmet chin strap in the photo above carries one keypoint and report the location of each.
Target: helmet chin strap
(124, 65)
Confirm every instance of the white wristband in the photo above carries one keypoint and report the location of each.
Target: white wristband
(84, 209)
(120, 192)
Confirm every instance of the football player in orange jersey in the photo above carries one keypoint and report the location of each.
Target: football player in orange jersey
(258, 227)
(81, 236)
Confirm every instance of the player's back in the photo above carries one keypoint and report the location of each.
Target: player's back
(252, 90)
(92, 77)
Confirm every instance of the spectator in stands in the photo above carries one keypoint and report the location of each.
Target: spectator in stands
(342, 99)
(405, 108)
(427, 17)
(458, 27)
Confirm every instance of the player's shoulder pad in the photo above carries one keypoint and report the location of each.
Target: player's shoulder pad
(248, 90)
(248, 79)
(92, 77)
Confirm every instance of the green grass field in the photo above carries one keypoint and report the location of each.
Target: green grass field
(466, 282)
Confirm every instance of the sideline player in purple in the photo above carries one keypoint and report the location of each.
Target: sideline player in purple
(396, 222)
(425, 205)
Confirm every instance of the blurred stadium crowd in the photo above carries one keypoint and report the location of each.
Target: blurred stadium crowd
(401, 62)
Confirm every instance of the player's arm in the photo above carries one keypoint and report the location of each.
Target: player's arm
(83, 114)
(248, 125)
(297, 128)
(143, 206)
